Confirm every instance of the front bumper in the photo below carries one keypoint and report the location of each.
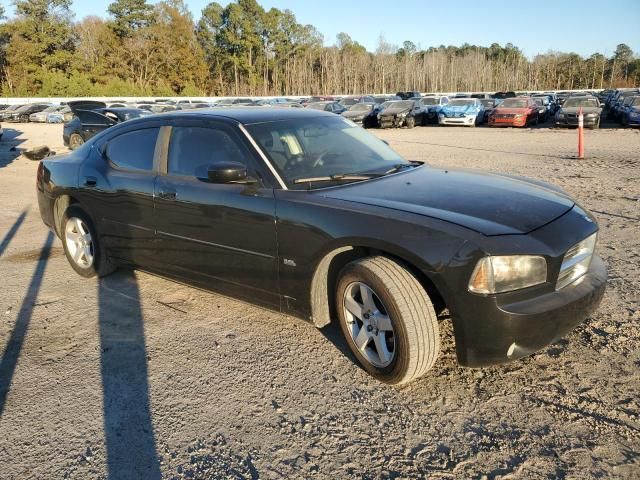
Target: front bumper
(508, 122)
(503, 333)
(466, 120)
(573, 121)
(390, 121)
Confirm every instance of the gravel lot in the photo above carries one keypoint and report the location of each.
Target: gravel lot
(139, 377)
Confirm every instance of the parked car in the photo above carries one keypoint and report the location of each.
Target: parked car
(349, 101)
(567, 116)
(515, 112)
(631, 115)
(544, 108)
(503, 95)
(408, 95)
(41, 117)
(63, 114)
(333, 107)
(614, 111)
(462, 111)
(380, 99)
(9, 111)
(381, 252)
(22, 114)
(87, 123)
(363, 114)
(433, 104)
(402, 113)
(489, 105)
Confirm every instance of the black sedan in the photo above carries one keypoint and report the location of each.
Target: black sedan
(86, 123)
(301, 211)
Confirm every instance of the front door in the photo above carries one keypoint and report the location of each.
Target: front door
(221, 235)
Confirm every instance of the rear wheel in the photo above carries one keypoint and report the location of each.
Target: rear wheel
(82, 245)
(387, 320)
(75, 140)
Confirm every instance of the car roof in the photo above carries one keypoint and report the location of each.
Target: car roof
(244, 115)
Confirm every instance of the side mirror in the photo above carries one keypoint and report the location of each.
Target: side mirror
(228, 172)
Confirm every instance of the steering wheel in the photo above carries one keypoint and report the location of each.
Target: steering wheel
(297, 159)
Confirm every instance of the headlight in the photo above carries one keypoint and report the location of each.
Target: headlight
(576, 261)
(518, 115)
(561, 115)
(403, 114)
(505, 273)
(592, 115)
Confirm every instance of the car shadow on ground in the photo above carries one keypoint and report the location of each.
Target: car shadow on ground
(9, 146)
(128, 427)
(13, 347)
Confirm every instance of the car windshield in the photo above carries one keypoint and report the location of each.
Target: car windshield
(580, 102)
(514, 103)
(430, 101)
(322, 147)
(487, 102)
(361, 107)
(636, 102)
(462, 102)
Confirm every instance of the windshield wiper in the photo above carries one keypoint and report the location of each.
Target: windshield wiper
(337, 176)
(402, 166)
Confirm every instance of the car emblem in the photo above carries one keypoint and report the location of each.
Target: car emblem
(587, 219)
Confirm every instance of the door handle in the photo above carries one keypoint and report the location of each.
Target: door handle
(167, 194)
(90, 181)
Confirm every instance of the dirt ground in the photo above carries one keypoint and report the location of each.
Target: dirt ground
(138, 377)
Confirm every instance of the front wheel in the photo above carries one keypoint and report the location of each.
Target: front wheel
(387, 319)
(410, 122)
(82, 245)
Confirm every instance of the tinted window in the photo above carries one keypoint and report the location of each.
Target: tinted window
(193, 149)
(133, 150)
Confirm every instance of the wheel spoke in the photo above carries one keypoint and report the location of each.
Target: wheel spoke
(87, 238)
(381, 347)
(362, 339)
(353, 307)
(78, 255)
(367, 298)
(383, 322)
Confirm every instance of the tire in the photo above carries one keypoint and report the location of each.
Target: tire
(410, 122)
(405, 320)
(75, 140)
(75, 223)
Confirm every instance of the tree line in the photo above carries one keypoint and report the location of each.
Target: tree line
(242, 49)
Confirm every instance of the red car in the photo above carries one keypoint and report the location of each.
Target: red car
(514, 112)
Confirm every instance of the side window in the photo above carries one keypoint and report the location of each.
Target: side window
(133, 150)
(89, 117)
(193, 149)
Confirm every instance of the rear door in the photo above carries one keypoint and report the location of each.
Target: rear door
(117, 188)
(220, 235)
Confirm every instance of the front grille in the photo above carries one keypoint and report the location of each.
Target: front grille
(576, 261)
(504, 115)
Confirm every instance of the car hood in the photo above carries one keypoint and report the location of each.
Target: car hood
(487, 203)
(357, 114)
(459, 108)
(510, 110)
(395, 110)
(584, 110)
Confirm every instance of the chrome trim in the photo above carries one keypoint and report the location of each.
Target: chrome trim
(263, 156)
(211, 244)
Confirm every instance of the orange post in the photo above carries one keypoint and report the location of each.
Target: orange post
(580, 134)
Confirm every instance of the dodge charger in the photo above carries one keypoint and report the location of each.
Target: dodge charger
(303, 212)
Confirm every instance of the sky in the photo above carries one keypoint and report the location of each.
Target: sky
(580, 26)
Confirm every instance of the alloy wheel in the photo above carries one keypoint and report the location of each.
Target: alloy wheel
(79, 242)
(369, 324)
